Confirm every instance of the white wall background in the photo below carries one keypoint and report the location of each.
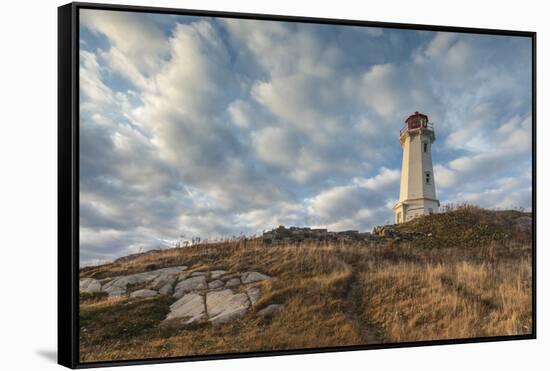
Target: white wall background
(28, 155)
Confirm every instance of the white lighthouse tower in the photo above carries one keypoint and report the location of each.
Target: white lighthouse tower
(417, 194)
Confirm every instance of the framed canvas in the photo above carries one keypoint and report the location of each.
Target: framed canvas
(241, 185)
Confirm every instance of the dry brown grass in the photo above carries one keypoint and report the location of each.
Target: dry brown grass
(413, 302)
(333, 295)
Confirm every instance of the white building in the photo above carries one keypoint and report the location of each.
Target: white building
(417, 195)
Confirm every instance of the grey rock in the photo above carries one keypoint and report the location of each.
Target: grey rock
(198, 273)
(233, 282)
(171, 270)
(167, 289)
(249, 277)
(254, 294)
(167, 275)
(223, 306)
(115, 287)
(190, 308)
(133, 279)
(270, 310)
(215, 284)
(155, 279)
(144, 293)
(115, 291)
(89, 285)
(217, 274)
(190, 284)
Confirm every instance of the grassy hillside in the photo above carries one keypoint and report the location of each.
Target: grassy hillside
(468, 275)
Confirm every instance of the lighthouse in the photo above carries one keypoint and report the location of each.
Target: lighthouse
(417, 194)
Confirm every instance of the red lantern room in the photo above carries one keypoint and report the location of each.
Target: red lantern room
(415, 123)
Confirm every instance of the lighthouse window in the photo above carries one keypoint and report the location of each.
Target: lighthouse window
(425, 147)
(427, 178)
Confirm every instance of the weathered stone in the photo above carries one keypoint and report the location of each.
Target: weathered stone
(215, 284)
(270, 310)
(249, 277)
(144, 293)
(119, 284)
(190, 308)
(217, 274)
(166, 289)
(167, 275)
(253, 294)
(195, 274)
(190, 284)
(89, 285)
(171, 270)
(154, 279)
(233, 282)
(223, 306)
(114, 291)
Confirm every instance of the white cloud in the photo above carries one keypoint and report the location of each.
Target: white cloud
(95, 92)
(445, 177)
(440, 44)
(241, 113)
(132, 36)
(277, 146)
(383, 179)
(507, 193)
(459, 55)
(359, 205)
(395, 90)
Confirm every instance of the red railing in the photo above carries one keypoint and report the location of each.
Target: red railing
(407, 127)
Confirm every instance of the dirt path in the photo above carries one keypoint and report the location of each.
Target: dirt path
(354, 309)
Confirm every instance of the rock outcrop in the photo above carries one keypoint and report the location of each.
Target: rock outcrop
(218, 296)
(144, 293)
(249, 277)
(215, 284)
(190, 284)
(190, 308)
(89, 285)
(225, 305)
(233, 282)
(155, 280)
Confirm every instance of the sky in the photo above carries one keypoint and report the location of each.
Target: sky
(213, 128)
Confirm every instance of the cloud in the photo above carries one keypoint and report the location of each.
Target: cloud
(359, 205)
(277, 146)
(132, 37)
(505, 193)
(386, 177)
(94, 92)
(209, 127)
(241, 113)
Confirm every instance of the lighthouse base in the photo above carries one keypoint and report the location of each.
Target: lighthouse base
(409, 209)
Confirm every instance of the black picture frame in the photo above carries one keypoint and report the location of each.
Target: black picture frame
(68, 180)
